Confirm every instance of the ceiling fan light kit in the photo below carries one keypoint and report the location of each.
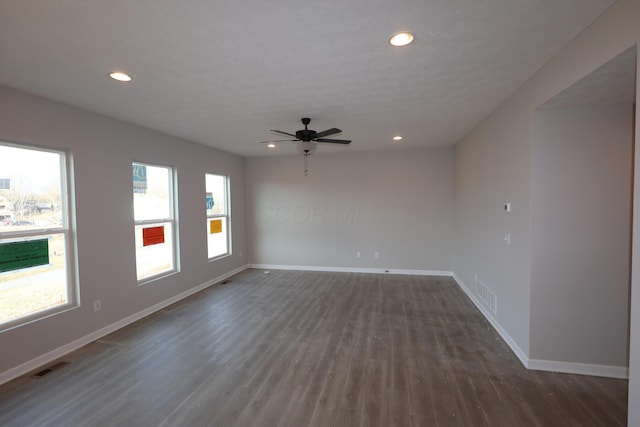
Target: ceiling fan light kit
(306, 148)
(307, 140)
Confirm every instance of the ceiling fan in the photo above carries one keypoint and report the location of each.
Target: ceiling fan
(307, 140)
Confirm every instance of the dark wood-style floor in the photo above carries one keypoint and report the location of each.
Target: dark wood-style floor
(306, 348)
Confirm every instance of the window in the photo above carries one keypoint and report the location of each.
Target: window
(216, 187)
(36, 248)
(155, 225)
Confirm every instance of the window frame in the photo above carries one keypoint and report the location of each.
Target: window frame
(226, 215)
(172, 220)
(66, 230)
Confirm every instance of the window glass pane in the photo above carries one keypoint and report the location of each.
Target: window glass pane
(151, 192)
(216, 194)
(155, 224)
(34, 248)
(154, 249)
(30, 189)
(217, 215)
(217, 241)
(25, 291)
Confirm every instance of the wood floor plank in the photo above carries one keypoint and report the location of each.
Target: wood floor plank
(330, 397)
(295, 348)
(375, 410)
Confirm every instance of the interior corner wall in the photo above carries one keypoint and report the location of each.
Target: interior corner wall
(492, 166)
(397, 203)
(102, 150)
(633, 415)
(581, 220)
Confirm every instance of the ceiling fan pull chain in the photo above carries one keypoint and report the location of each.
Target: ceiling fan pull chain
(306, 168)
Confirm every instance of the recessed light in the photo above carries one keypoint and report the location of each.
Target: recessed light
(401, 39)
(119, 76)
(397, 138)
(271, 145)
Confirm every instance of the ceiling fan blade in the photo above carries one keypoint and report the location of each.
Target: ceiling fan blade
(279, 140)
(328, 132)
(279, 132)
(333, 141)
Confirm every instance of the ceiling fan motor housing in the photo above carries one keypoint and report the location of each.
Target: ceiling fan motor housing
(306, 134)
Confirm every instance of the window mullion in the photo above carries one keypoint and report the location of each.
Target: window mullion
(153, 221)
(217, 216)
(25, 234)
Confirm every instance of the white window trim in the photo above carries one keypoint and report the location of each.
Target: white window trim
(226, 215)
(67, 230)
(173, 220)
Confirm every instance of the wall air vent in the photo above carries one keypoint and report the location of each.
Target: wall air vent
(488, 298)
(50, 369)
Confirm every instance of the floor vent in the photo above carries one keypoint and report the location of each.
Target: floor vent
(50, 369)
(488, 297)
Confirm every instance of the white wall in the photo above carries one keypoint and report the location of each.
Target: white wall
(581, 241)
(492, 165)
(398, 203)
(102, 151)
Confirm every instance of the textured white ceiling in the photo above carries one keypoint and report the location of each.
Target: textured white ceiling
(222, 73)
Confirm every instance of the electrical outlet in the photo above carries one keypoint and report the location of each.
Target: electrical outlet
(97, 305)
(376, 255)
(358, 254)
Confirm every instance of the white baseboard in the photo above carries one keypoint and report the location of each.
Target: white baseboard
(520, 354)
(544, 365)
(352, 269)
(59, 352)
(579, 368)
